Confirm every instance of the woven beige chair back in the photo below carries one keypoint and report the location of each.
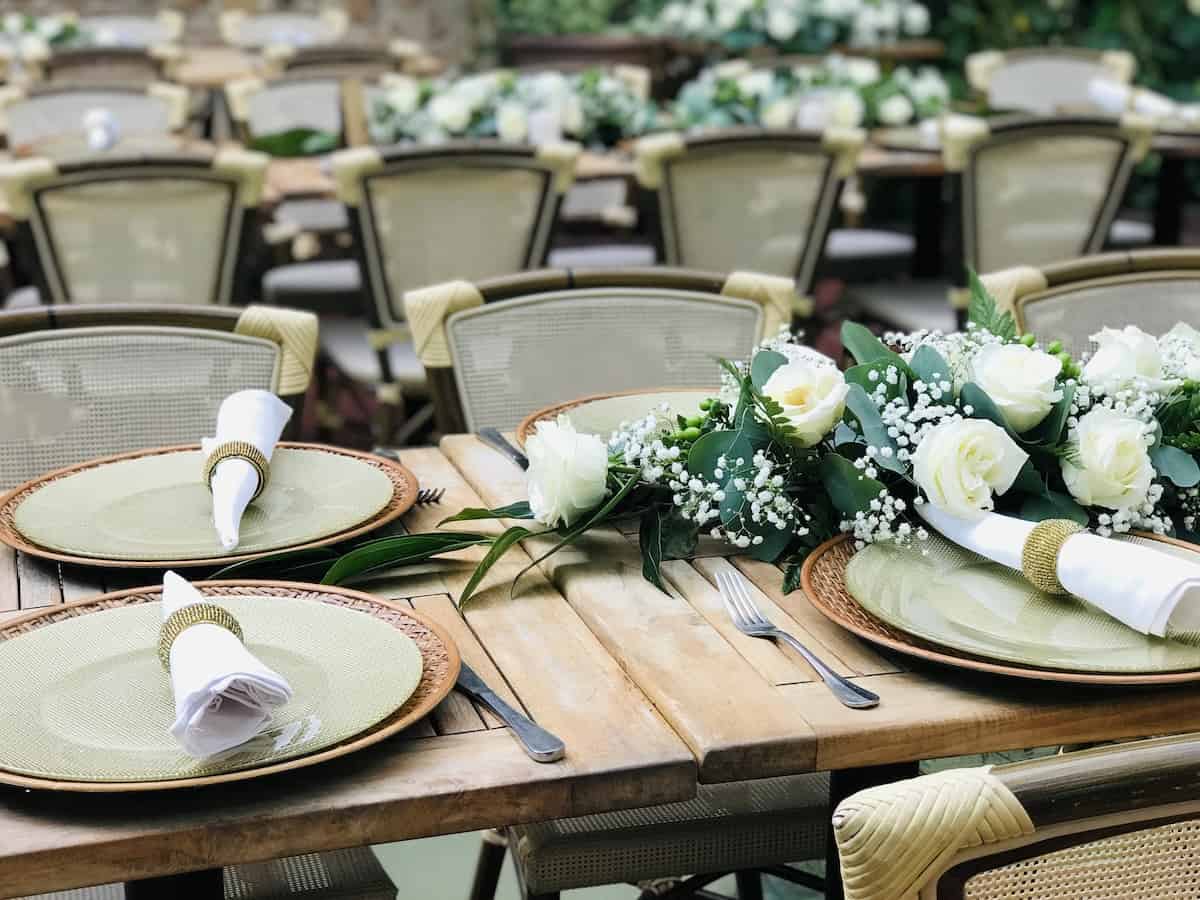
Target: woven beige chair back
(117, 30)
(75, 394)
(279, 106)
(293, 29)
(47, 116)
(592, 340)
(104, 65)
(1039, 193)
(1045, 80)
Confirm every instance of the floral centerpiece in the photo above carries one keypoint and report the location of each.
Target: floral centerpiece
(32, 34)
(845, 91)
(792, 26)
(596, 107)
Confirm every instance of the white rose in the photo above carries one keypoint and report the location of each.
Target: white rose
(567, 474)
(846, 109)
(813, 397)
(862, 71)
(1125, 357)
(1020, 381)
(959, 465)
(512, 122)
(451, 112)
(782, 24)
(779, 113)
(915, 19)
(404, 94)
(895, 110)
(929, 85)
(756, 83)
(1111, 466)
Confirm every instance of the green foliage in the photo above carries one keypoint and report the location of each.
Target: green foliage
(1053, 505)
(929, 365)
(1176, 465)
(555, 16)
(860, 343)
(850, 490)
(389, 552)
(518, 510)
(863, 409)
(664, 534)
(296, 142)
(500, 546)
(982, 311)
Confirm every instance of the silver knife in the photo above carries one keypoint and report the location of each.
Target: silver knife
(540, 744)
(494, 439)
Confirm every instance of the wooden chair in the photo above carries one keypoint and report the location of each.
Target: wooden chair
(362, 61)
(498, 349)
(105, 65)
(1045, 80)
(1119, 822)
(49, 118)
(146, 229)
(1028, 191)
(421, 215)
(257, 30)
(79, 382)
(747, 199)
(1070, 301)
(130, 30)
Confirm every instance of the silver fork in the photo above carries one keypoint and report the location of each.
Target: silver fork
(750, 621)
(430, 495)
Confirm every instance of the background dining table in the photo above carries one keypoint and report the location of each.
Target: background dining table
(652, 692)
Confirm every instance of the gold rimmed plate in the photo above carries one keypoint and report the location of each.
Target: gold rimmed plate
(87, 704)
(952, 607)
(150, 508)
(602, 414)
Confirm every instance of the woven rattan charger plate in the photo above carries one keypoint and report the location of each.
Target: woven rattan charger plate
(404, 495)
(823, 581)
(549, 413)
(440, 665)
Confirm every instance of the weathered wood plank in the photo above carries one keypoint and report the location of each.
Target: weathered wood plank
(457, 713)
(79, 583)
(38, 582)
(734, 720)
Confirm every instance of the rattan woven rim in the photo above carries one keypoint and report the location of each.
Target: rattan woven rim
(439, 655)
(404, 495)
(529, 423)
(823, 581)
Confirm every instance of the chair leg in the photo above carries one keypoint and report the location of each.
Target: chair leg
(487, 870)
(749, 885)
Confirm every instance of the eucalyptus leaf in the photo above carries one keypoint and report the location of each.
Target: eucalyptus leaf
(863, 408)
(295, 142)
(764, 365)
(929, 365)
(982, 406)
(774, 542)
(1053, 505)
(1177, 466)
(1049, 431)
(850, 490)
(399, 551)
(866, 348)
(518, 510)
(1028, 481)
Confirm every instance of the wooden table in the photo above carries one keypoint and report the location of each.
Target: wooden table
(650, 691)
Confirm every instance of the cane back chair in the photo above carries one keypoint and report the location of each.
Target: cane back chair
(142, 229)
(49, 118)
(256, 30)
(1028, 191)
(1071, 301)
(747, 199)
(498, 349)
(1045, 80)
(1120, 822)
(104, 65)
(341, 60)
(126, 30)
(77, 382)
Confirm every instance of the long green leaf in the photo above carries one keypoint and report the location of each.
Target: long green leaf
(399, 551)
(650, 540)
(499, 547)
(1053, 505)
(866, 348)
(518, 510)
(290, 565)
(850, 490)
(983, 407)
(863, 408)
(1049, 431)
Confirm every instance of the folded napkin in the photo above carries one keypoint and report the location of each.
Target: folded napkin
(1146, 589)
(100, 128)
(223, 695)
(256, 417)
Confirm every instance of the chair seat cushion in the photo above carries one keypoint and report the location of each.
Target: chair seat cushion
(1130, 233)
(906, 305)
(344, 341)
(726, 827)
(608, 256)
(23, 298)
(859, 243)
(327, 286)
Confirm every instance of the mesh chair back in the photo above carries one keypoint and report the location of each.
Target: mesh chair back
(58, 113)
(1036, 192)
(760, 203)
(130, 31)
(103, 65)
(459, 212)
(338, 61)
(593, 340)
(280, 106)
(294, 29)
(1153, 301)
(74, 394)
(1046, 81)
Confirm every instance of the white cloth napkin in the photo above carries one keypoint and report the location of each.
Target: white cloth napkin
(1146, 589)
(223, 695)
(1116, 98)
(101, 129)
(254, 416)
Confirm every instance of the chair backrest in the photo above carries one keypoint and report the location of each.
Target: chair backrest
(135, 229)
(342, 60)
(753, 199)
(496, 350)
(262, 108)
(109, 65)
(1036, 190)
(1045, 80)
(241, 29)
(125, 30)
(1120, 822)
(81, 382)
(50, 113)
(467, 210)
(1070, 301)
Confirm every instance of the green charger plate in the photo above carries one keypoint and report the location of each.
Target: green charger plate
(87, 700)
(602, 415)
(155, 508)
(957, 599)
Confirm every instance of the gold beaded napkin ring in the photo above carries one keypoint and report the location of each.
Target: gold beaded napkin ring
(1039, 556)
(238, 450)
(194, 614)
